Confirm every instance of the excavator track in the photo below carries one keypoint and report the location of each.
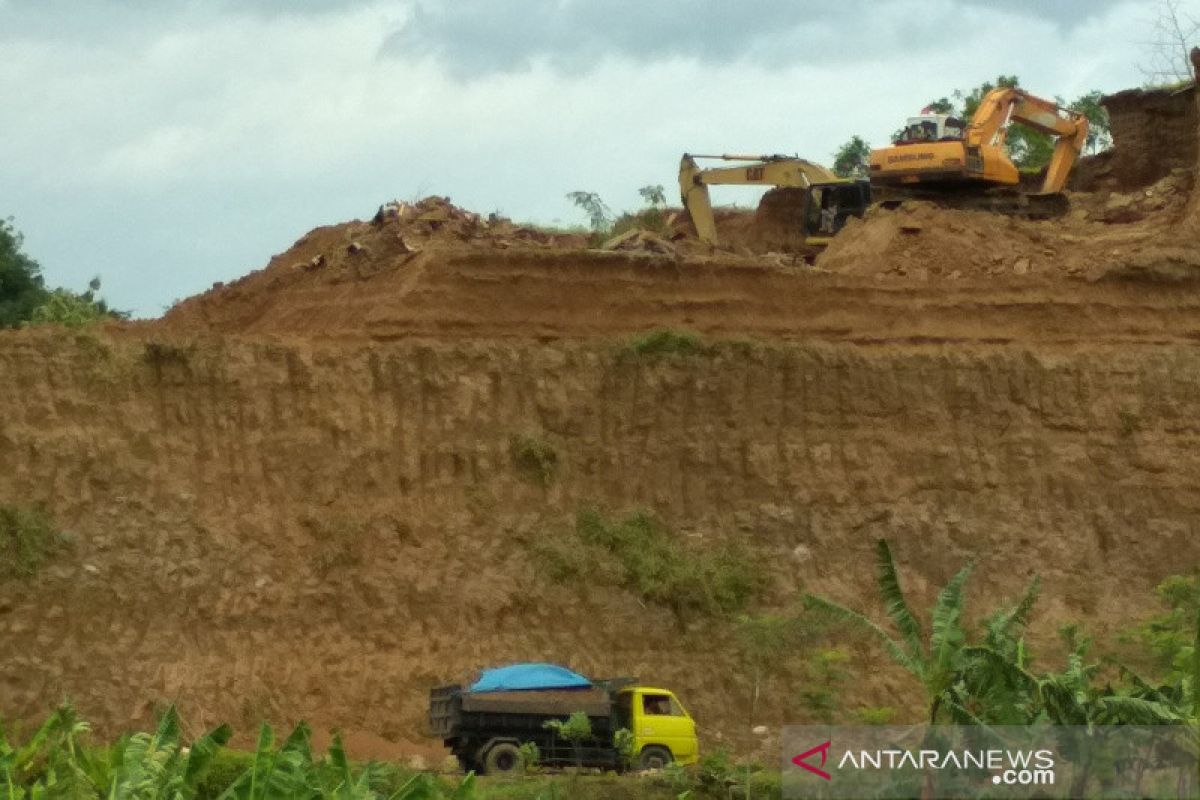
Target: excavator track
(1009, 201)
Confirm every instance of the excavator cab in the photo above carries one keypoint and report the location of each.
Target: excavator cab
(931, 128)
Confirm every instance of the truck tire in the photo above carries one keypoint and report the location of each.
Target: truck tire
(502, 759)
(654, 757)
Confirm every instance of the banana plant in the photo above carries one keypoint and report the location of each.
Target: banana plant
(942, 660)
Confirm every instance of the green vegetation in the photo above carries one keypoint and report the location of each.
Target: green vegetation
(59, 761)
(22, 288)
(72, 310)
(824, 679)
(852, 160)
(1030, 150)
(666, 342)
(992, 682)
(27, 539)
(876, 715)
(604, 224)
(624, 742)
(535, 458)
(530, 757)
(765, 641)
(24, 298)
(639, 553)
(1169, 636)
(656, 566)
(576, 729)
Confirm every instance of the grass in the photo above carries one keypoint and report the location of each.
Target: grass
(639, 553)
(534, 458)
(666, 342)
(27, 540)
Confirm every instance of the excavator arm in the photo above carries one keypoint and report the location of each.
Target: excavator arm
(999, 107)
(782, 171)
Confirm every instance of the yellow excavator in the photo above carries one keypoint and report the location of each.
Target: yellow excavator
(937, 151)
(816, 204)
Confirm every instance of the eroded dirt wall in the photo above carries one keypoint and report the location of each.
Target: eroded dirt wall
(1154, 132)
(326, 531)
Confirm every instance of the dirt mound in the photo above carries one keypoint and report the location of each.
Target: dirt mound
(921, 240)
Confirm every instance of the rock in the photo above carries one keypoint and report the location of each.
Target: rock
(760, 730)
(355, 248)
(1021, 266)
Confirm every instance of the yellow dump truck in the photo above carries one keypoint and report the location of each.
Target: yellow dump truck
(485, 724)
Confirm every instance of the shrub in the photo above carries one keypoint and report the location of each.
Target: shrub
(72, 310)
(623, 743)
(655, 566)
(530, 757)
(576, 729)
(535, 458)
(666, 342)
(27, 539)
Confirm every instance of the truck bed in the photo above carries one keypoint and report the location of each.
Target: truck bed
(449, 706)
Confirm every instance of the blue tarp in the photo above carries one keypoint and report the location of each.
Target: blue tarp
(529, 676)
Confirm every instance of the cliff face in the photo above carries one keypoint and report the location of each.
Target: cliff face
(325, 531)
(1154, 132)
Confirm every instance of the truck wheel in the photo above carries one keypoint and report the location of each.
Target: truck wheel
(503, 759)
(654, 757)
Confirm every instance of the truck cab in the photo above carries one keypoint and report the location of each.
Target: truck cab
(662, 729)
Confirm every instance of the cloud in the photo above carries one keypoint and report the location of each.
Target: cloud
(476, 37)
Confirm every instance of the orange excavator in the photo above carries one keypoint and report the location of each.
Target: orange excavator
(937, 152)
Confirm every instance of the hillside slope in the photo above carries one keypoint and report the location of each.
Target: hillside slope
(320, 531)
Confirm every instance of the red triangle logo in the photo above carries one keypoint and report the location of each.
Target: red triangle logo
(802, 760)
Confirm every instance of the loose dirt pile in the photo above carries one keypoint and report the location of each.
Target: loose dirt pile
(920, 240)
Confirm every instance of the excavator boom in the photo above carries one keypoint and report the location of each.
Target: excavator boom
(931, 152)
(785, 172)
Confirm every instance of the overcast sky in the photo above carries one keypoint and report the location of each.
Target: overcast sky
(168, 144)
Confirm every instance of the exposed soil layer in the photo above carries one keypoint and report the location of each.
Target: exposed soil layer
(327, 530)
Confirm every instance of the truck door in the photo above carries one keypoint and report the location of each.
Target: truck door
(663, 721)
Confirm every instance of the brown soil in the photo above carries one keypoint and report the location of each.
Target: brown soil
(296, 495)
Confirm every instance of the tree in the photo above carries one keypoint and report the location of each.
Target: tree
(1029, 149)
(654, 195)
(1099, 130)
(852, 159)
(22, 288)
(1169, 49)
(598, 212)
